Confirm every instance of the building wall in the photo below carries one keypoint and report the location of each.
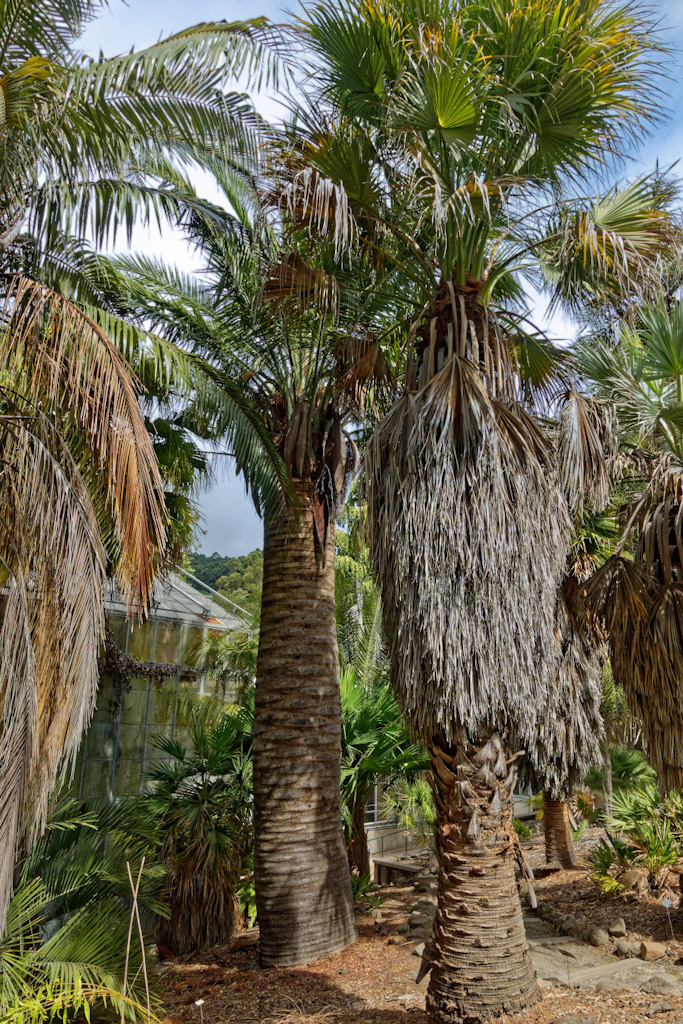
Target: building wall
(119, 745)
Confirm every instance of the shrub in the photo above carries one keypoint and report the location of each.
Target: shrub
(644, 831)
(629, 768)
(523, 831)
(361, 886)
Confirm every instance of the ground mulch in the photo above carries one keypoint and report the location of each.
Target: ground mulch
(371, 982)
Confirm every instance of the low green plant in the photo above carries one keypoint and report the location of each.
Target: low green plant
(643, 831)
(588, 804)
(410, 805)
(361, 886)
(523, 830)
(64, 945)
(578, 834)
(200, 797)
(246, 893)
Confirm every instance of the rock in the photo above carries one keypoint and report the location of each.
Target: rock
(420, 921)
(419, 949)
(654, 1008)
(426, 887)
(662, 985)
(377, 915)
(577, 930)
(567, 922)
(544, 984)
(652, 950)
(427, 904)
(577, 1018)
(396, 940)
(544, 911)
(617, 929)
(628, 948)
(586, 935)
(599, 937)
(636, 878)
(403, 929)
(610, 984)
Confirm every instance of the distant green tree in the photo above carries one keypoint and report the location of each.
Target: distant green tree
(239, 577)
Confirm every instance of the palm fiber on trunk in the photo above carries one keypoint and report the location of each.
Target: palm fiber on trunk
(303, 886)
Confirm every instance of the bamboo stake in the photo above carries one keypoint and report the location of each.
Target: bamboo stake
(142, 940)
(135, 889)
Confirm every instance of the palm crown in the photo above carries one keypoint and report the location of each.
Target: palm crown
(440, 143)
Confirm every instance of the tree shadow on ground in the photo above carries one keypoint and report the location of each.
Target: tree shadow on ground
(340, 990)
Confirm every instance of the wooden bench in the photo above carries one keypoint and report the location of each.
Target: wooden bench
(385, 870)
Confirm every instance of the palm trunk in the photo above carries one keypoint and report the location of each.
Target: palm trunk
(480, 955)
(359, 855)
(303, 886)
(559, 848)
(607, 785)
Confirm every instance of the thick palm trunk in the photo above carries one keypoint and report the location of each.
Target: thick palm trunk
(303, 886)
(359, 856)
(480, 955)
(559, 848)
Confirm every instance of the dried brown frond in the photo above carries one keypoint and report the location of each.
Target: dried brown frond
(643, 614)
(57, 357)
(468, 533)
(300, 1015)
(293, 281)
(361, 364)
(617, 594)
(566, 738)
(585, 445)
(457, 323)
(313, 202)
(52, 621)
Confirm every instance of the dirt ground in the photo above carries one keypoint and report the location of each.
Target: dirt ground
(373, 982)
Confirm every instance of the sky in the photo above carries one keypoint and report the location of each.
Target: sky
(231, 527)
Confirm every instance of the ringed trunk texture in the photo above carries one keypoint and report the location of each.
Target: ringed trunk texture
(359, 855)
(607, 784)
(559, 848)
(481, 966)
(303, 886)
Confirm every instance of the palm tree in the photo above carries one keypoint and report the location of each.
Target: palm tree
(277, 324)
(434, 138)
(593, 286)
(637, 597)
(201, 798)
(80, 487)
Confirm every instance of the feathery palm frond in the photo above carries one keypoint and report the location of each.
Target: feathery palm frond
(53, 567)
(55, 353)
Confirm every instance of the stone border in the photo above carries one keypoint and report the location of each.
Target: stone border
(612, 939)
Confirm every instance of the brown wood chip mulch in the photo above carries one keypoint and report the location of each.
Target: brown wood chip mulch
(371, 982)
